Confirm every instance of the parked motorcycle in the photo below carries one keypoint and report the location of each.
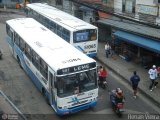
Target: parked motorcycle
(118, 107)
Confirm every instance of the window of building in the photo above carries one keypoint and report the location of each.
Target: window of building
(128, 6)
(58, 2)
(105, 1)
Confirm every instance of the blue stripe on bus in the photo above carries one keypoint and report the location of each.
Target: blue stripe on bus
(8, 39)
(79, 48)
(76, 109)
(89, 54)
(92, 54)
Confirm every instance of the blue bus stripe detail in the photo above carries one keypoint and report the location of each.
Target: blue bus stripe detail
(8, 39)
(92, 55)
(79, 48)
(76, 109)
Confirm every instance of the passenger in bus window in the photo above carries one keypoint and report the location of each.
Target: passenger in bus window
(82, 80)
(76, 87)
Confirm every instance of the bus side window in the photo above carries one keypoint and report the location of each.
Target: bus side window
(8, 30)
(59, 30)
(54, 27)
(35, 60)
(21, 44)
(44, 69)
(40, 18)
(28, 51)
(16, 39)
(9, 33)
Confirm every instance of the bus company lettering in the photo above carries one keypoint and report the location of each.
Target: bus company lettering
(71, 60)
(75, 69)
(65, 70)
(90, 46)
(82, 67)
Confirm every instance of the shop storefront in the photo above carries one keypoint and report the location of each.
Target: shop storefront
(132, 41)
(132, 47)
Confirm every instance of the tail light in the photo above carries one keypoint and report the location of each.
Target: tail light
(120, 105)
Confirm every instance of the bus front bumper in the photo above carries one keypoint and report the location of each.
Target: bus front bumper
(76, 109)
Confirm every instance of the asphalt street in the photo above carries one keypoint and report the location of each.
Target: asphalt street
(22, 92)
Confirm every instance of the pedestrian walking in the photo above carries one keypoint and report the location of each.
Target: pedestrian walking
(107, 49)
(153, 76)
(135, 79)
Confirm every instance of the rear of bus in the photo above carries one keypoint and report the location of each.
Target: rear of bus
(86, 41)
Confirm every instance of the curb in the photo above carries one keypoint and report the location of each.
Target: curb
(157, 103)
(13, 11)
(14, 107)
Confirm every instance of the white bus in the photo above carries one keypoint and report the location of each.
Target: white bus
(66, 77)
(81, 34)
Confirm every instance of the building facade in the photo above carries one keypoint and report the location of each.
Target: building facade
(10, 3)
(130, 38)
(130, 34)
(139, 10)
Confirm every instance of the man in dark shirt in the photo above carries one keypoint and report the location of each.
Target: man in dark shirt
(135, 81)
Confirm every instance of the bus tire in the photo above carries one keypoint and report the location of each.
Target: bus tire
(44, 95)
(19, 62)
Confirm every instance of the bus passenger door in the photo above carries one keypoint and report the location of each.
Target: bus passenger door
(53, 89)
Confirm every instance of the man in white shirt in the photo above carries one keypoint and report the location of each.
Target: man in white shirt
(107, 49)
(153, 76)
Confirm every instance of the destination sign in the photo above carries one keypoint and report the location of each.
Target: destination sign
(76, 68)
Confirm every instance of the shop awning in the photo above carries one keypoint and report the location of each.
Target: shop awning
(84, 8)
(146, 43)
(103, 15)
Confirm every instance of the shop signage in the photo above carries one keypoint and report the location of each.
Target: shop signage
(146, 9)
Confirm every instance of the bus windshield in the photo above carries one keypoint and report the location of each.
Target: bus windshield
(84, 81)
(84, 35)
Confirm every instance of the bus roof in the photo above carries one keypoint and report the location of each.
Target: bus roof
(68, 21)
(56, 52)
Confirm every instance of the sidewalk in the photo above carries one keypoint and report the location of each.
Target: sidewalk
(125, 70)
(8, 110)
(13, 11)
